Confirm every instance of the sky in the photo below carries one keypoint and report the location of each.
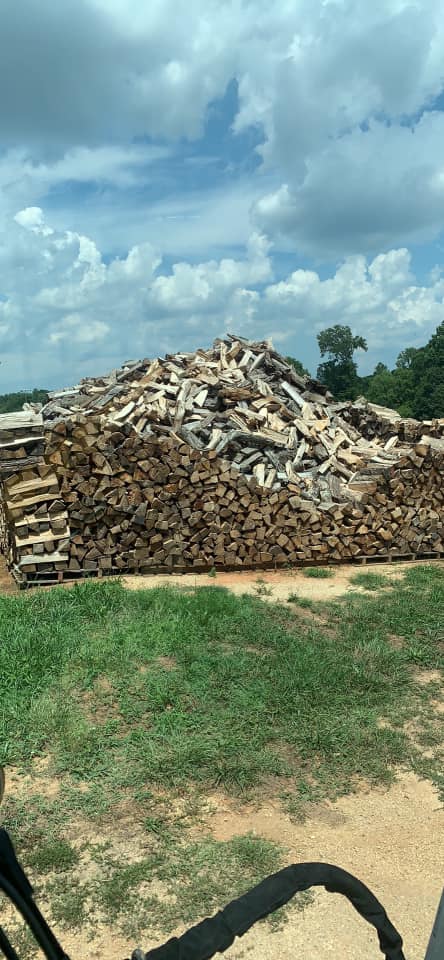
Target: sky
(170, 172)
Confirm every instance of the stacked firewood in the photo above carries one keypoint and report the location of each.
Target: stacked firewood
(139, 504)
(36, 520)
(374, 421)
(220, 458)
(21, 441)
(245, 403)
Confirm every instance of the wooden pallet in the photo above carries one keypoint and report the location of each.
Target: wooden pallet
(54, 577)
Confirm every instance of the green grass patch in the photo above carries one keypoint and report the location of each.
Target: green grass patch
(370, 581)
(85, 676)
(53, 854)
(318, 573)
(303, 602)
(156, 697)
(182, 882)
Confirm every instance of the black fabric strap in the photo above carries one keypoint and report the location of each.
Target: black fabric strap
(15, 884)
(217, 934)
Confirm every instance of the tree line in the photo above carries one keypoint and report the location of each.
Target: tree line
(415, 386)
(10, 402)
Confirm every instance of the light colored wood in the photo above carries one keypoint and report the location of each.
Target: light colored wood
(36, 558)
(23, 418)
(21, 441)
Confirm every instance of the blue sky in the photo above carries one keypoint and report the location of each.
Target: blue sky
(168, 173)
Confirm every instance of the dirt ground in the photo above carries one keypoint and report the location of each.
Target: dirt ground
(269, 584)
(392, 839)
(278, 584)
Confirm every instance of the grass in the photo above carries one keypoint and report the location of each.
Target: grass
(319, 573)
(370, 581)
(243, 679)
(303, 602)
(150, 700)
(262, 589)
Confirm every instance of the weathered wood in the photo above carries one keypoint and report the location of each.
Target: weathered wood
(23, 418)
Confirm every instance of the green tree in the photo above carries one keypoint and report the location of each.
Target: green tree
(415, 388)
(339, 372)
(407, 358)
(298, 366)
(10, 402)
(390, 388)
(427, 370)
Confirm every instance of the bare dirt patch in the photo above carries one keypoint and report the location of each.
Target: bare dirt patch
(424, 677)
(7, 584)
(167, 663)
(281, 583)
(37, 782)
(391, 839)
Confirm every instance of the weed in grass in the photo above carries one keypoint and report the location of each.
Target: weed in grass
(303, 602)
(52, 854)
(262, 589)
(22, 939)
(318, 573)
(370, 581)
(70, 902)
(181, 882)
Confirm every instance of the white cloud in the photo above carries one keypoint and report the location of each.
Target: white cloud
(364, 191)
(342, 92)
(32, 219)
(96, 71)
(71, 313)
(205, 286)
(379, 299)
(25, 179)
(329, 83)
(75, 330)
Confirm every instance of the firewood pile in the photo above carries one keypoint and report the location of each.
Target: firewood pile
(219, 458)
(373, 421)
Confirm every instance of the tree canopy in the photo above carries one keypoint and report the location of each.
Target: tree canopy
(10, 402)
(339, 372)
(415, 387)
(298, 366)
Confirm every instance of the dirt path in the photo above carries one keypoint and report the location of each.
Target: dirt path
(393, 840)
(277, 586)
(270, 585)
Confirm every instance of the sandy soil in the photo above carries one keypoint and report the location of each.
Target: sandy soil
(392, 839)
(280, 583)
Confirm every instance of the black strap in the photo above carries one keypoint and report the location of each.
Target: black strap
(218, 933)
(14, 882)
